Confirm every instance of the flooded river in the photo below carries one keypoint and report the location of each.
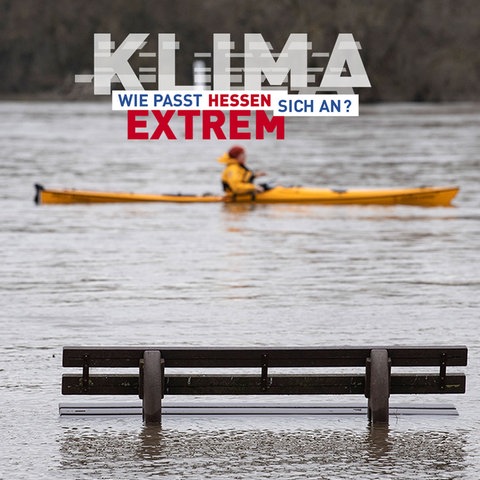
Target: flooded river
(212, 274)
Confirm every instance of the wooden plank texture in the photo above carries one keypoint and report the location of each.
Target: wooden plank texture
(128, 384)
(254, 357)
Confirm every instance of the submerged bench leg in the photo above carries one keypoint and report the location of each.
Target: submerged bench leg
(152, 387)
(379, 386)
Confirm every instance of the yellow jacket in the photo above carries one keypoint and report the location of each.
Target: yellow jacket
(237, 179)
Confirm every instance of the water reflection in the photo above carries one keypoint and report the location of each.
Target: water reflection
(256, 453)
(233, 209)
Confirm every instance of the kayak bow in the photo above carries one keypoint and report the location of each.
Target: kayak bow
(419, 196)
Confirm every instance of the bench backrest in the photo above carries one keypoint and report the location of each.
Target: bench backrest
(128, 357)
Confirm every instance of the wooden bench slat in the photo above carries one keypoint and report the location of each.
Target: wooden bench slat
(101, 384)
(122, 384)
(125, 357)
(427, 383)
(276, 385)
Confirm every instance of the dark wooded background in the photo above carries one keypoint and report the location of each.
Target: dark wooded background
(413, 50)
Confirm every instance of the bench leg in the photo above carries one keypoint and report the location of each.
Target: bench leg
(152, 387)
(379, 387)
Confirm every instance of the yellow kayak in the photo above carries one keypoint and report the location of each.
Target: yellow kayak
(420, 196)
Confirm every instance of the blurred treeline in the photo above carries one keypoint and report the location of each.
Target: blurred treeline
(413, 50)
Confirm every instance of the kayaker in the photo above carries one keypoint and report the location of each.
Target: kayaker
(237, 178)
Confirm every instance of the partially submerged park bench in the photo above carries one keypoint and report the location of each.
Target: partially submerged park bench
(152, 378)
